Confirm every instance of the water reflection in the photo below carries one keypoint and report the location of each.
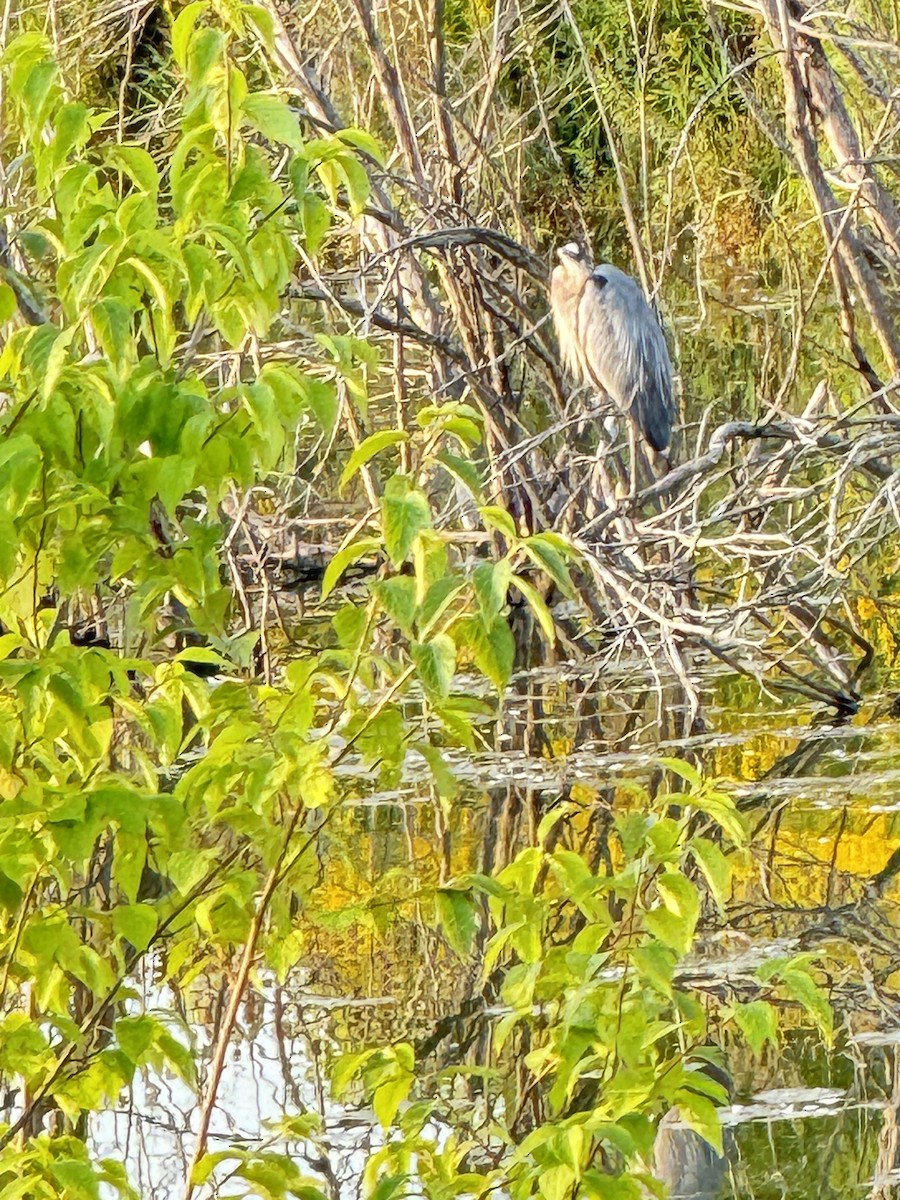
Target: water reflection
(798, 1142)
(823, 800)
(689, 1167)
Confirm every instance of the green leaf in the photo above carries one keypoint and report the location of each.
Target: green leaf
(261, 20)
(685, 770)
(721, 807)
(700, 1114)
(557, 1182)
(315, 218)
(397, 597)
(349, 623)
(390, 1095)
(444, 779)
(544, 551)
(321, 399)
(491, 581)
(368, 449)
(458, 915)
(183, 29)
(203, 1169)
(136, 1035)
(129, 859)
(462, 469)
(356, 182)
(112, 324)
(500, 519)
(274, 120)
(801, 987)
(758, 1021)
(58, 353)
(655, 964)
(538, 606)
(347, 1067)
(154, 282)
(435, 664)
(348, 554)
(136, 923)
(8, 303)
(493, 647)
(72, 131)
(438, 414)
(405, 512)
(596, 1185)
(459, 716)
(206, 50)
(674, 923)
(466, 431)
(137, 164)
(715, 867)
(436, 601)
(664, 840)
(362, 141)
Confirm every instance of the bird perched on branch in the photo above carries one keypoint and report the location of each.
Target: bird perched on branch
(610, 340)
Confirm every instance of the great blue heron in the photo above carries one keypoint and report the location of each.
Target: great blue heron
(610, 340)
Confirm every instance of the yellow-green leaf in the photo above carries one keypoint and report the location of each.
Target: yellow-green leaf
(348, 554)
(367, 450)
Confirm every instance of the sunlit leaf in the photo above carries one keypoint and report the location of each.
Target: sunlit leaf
(715, 866)
(405, 513)
(493, 647)
(316, 220)
(367, 450)
(135, 922)
(675, 920)
(397, 597)
(458, 916)
(491, 581)
(435, 663)
(362, 141)
(545, 553)
(347, 555)
(183, 28)
(538, 606)
(758, 1021)
(390, 1095)
(274, 119)
(499, 519)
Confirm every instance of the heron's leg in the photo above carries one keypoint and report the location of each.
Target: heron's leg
(601, 490)
(632, 461)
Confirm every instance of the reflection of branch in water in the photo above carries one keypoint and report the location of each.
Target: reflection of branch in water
(884, 1182)
(798, 762)
(879, 881)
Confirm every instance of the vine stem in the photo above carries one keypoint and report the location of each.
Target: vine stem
(276, 874)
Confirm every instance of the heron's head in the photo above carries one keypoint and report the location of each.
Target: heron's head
(574, 266)
(571, 252)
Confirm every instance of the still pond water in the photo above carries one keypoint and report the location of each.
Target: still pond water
(823, 798)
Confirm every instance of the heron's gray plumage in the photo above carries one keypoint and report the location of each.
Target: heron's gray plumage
(610, 339)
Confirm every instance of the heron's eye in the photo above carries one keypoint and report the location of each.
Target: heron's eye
(600, 280)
